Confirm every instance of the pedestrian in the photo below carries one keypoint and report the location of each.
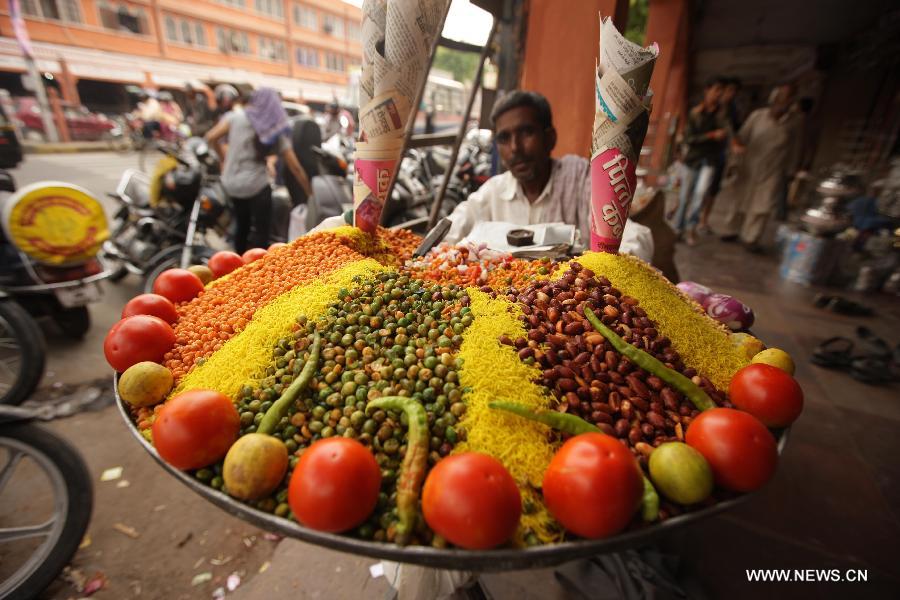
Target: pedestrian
(729, 110)
(170, 113)
(763, 147)
(704, 135)
(198, 113)
(259, 130)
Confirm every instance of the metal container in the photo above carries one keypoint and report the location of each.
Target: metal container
(501, 559)
(829, 216)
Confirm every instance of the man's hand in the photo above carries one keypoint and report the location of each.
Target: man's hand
(717, 135)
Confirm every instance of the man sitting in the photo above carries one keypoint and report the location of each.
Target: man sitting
(536, 188)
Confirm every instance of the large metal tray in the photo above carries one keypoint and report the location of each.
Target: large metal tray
(502, 559)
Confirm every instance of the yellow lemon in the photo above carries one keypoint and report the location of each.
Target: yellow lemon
(777, 358)
(145, 384)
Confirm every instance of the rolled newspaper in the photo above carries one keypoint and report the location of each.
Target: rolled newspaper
(622, 86)
(398, 36)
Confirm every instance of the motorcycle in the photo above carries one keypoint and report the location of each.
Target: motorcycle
(38, 539)
(165, 221)
(32, 286)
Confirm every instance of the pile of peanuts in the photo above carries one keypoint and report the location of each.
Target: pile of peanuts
(223, 310)
(590, 379)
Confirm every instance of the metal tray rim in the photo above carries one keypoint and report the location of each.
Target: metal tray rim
(501, 559)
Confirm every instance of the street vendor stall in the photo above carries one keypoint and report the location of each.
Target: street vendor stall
(458, 409)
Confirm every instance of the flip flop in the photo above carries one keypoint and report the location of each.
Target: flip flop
(841, 305)
(878, 347)
(871, 370)
(833, 353)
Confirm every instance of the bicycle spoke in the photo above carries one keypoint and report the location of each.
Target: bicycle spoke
(12, 534)
(6, 472)
(9, 343)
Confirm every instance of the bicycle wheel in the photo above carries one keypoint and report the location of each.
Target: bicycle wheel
(39, 532)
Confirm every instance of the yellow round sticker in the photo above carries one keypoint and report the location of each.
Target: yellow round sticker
(55, 223)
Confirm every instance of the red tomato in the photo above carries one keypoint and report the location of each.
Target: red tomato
(151, 304)
(224, 262)
(136, 339)
(767, 393)
(593, 485)
(472, 500)
(335, 485)
(178, 285)
(276, 246)
(253, 254)
(196, 428)
(739, 449)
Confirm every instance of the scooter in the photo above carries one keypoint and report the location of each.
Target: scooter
(38, 539)
(150, 235)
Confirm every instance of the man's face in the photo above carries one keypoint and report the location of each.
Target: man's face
(729, 93)
(523, 143)
(784, 96)
(713, 93)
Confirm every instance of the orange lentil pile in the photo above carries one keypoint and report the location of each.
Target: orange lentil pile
(223, 310)
(471, 265)
(402, 242)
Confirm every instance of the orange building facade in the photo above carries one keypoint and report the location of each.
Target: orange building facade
(304, 48)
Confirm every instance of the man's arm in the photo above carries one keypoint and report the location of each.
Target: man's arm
(468, 213)
(214, 137)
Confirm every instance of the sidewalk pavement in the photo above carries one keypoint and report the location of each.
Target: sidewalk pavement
(68, 147)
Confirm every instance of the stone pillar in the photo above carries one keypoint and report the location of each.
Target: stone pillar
(668, 24)
(68, 83)
(560, 55)
(58, 116)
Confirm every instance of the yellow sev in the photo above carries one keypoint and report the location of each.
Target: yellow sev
(494, 372)
(244, 357)
(703, 343)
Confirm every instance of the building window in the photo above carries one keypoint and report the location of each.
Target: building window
(200, 33)
(272, 8)
(333, 25)
(234, 3)
(307, 57)
(171, 29)
(353, 32)
(305, 16)
(59, 10)
(184, 31)
(273, 50)
(121, 17)
(230, 41)
(334, 62)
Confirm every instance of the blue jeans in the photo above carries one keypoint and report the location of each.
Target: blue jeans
(695, 182)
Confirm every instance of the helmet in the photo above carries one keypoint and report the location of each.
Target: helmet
(226, 92)
(166, 97)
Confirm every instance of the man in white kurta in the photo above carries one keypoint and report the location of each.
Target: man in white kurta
(536, 188)
(764, 149)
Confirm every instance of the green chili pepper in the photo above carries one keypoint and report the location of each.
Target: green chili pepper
(279, 408)
(575, 425)
(650, 502)
(650, 364)
(565, 422)
(412, 471)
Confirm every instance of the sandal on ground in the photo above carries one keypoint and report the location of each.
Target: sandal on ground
(833, 353)
(871, 370)
(841, 305)
(877, 347)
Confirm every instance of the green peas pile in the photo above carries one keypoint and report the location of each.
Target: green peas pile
(387, 336)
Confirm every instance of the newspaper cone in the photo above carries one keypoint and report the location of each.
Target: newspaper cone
(622, 85)
(397, 39)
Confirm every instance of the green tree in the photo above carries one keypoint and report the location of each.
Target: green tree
(637, 21)
(462, 64)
